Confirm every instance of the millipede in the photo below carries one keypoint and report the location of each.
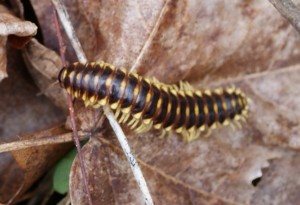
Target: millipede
(144, 103)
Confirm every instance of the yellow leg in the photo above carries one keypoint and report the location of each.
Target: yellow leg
(140, 128)
(121, 117)
(232, 126)
(185, 86)
(243, 119)
(185, 135)
(131, 122)
(208, 133)
(194, 135)
(238, 124)
(124, 118)
(134, 125)
(143, 127)
(117, 114)
(162, 134)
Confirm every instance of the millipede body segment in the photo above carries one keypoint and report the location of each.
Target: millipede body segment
(144, 103)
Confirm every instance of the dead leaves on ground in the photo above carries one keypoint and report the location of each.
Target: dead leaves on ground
(16, 30)
(22, 112)
(209, 44)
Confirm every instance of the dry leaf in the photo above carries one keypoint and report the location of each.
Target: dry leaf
(21, 168)
(23, 114)
(280, 183)
(3, 73)
(18, 31)
(209, 43)
(11, 25)
(33, 162)
(44, 64)
(108, 168)
(182, 40)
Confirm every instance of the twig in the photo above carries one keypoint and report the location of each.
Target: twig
(65, 19)
(63, 15)
(289, 11)
(56, 139)
(138, 174)
(78, 147)
(62, 48)
(62, 11)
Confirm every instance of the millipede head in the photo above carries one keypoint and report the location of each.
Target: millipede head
(62, 76)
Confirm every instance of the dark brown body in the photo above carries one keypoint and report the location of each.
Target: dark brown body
(170, 107)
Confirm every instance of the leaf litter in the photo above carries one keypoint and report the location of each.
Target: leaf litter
(205, 44)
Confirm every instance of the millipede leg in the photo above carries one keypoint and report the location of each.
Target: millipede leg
(87, 103)
(125, 117)
(238, 124)
(134, 124)
(194, 134)
(149, 126)
(162, 134)
(208, 133)
(232, 126)
(117, 114)
(143, 127)
(185, 135)
(140, 128)
(185, 86)
(243, 119)
(131, 122)
(122, 117)
(189, 135)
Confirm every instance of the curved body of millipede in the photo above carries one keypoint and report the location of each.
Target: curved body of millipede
(144, 103)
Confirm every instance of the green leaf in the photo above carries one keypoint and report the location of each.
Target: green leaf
(62, 171)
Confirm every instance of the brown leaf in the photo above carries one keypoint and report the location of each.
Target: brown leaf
(11, 25)
(44, 65)
(3, 73)
(280, 183)
(274, 102)
(21, 168)
(209, 44)
(108, 177)
(23, 113)
(18, 32)
(175, 40)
